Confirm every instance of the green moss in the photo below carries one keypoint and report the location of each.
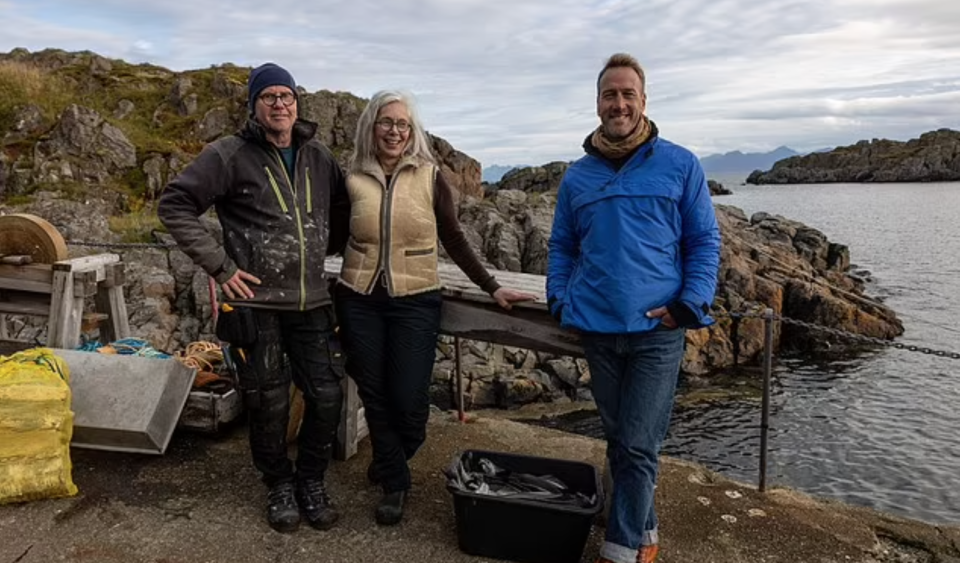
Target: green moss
(19, 199)
(136, 226)
(22, 84)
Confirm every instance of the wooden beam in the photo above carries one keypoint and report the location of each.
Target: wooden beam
(85, 263)
(85, 283)
(29, 277)
(96, 263)
(522, 328)
(24, 307)
(111, 301)
(348, 435)
(66, 311)
(457, 285)
(16, 259)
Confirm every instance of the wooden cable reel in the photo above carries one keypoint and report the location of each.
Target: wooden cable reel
(22, 234)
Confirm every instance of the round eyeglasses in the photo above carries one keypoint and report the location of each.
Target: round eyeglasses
(387, 124)
(286, 98)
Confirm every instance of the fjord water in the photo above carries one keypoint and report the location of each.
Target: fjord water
(879, 429)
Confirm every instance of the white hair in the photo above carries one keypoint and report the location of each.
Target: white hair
(364, 146)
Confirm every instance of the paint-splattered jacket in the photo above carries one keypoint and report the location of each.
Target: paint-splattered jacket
(275, 227)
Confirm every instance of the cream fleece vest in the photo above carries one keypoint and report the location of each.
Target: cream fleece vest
(393, 230)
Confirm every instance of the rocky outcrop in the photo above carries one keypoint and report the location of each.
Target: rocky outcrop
(534, 179)
(175, 112)
(716, 188)
(462, 172)
(83, 147)
(934, 157)
(767, 261)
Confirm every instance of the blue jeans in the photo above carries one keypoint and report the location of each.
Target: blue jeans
(634, 379)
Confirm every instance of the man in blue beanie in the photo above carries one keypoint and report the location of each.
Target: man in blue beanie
(280, 197)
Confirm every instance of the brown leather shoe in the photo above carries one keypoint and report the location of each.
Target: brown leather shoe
(648, 553)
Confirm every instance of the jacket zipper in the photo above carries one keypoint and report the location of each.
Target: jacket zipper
(296, 210)
(309, 199)
(276, 189)
(383, 264)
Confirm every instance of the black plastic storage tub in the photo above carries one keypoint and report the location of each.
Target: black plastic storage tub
(527, 530)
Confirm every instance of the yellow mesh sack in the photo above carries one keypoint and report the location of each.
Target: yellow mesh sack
(36, 425)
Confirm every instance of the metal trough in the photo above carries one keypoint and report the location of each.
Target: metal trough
(125, 403)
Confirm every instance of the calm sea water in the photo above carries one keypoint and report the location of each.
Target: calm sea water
(881, 429)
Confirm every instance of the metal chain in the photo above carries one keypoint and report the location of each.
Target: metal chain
(122, 244)
(848, 335)
(786, 320)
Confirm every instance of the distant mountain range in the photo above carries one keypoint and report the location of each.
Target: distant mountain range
(733, 163)
(736, 162)
(495, 172)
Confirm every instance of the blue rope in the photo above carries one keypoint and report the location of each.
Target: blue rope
(127, 347)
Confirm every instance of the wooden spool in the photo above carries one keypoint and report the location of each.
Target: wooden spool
(28, 235)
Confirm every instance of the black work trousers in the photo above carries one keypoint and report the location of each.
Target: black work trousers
(390, 344)
(308, 341)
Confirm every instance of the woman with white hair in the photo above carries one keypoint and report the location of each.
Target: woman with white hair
(388, 295)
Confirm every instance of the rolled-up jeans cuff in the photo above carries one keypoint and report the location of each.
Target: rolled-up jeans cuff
(650, 537)
(618, 553)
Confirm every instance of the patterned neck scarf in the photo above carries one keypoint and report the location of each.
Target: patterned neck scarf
(623, 147)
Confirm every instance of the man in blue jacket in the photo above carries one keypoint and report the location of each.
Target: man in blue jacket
(633, 262)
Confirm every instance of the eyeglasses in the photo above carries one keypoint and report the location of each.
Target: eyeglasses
(387, 124)
(287, 98)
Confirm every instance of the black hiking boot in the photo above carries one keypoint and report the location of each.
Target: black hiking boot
(316, 505)
(282, 513)
(390, 509)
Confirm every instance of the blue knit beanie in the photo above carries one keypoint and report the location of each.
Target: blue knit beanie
(264, 76)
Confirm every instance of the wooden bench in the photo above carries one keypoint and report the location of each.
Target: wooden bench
(58, 291)
(469, 312)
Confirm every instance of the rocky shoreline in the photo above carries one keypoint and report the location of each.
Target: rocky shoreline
(94, 170)
(933, 157)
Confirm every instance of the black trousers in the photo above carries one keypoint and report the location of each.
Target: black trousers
(390, 343)
(297, 346)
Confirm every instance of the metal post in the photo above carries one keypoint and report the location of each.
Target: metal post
(735, 339)
(765, 408)
(459, 375)
(214, 307)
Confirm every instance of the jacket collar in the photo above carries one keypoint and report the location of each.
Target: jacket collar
(619, 163)
(303, 132)
(371, 167)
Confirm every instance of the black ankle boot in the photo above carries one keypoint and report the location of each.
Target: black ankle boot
(316, 505)
(282, 513)
(390, 509)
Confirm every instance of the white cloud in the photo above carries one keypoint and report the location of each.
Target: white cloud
(512, 81)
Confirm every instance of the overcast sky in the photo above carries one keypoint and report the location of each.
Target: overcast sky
(513, 81)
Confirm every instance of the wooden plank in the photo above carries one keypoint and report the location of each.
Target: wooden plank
(348, 435)
(522, 328)
(295, 418)
(114, 275)
(85, 283)
(16, 259)
(110, 300)
(95, 262)
(29, 277)
(23, 307)
(457, 285)
(26, 285)
(65, 312)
